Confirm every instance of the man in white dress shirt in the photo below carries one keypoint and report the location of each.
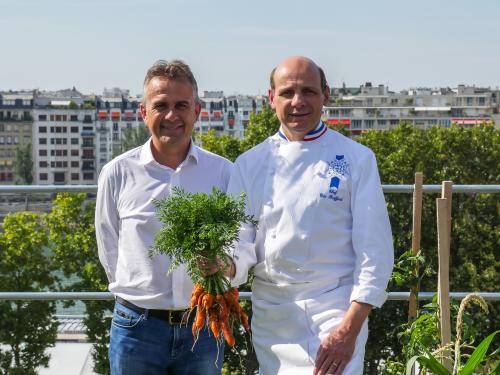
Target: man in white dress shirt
(322, 249)
(146, 334)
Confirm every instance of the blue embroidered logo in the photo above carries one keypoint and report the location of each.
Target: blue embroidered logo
(337, 169)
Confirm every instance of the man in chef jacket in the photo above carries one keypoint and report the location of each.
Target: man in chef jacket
(322, 249)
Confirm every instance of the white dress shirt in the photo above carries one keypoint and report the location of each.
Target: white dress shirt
(323, 240)
(126, 222)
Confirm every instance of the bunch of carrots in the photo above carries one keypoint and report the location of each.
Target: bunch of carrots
(198, 229)
(217, 309)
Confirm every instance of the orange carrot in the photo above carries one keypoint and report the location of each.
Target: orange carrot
(214, 323)
(197, 291)
(199, 320)
(228, 334)
(208, 301)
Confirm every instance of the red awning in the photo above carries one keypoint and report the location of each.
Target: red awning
(470, 121)
(115, 114)
(338, 122)
(103, 113)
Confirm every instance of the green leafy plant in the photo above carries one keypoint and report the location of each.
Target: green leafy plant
(429, 361)
(198, 228)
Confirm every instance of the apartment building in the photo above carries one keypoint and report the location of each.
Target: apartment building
(375, 107)
(227, 114)
(116, 111)
(16, 129)
(64, 138)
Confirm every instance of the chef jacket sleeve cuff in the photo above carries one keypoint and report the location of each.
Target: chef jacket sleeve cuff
(368, 294)
(243, 255)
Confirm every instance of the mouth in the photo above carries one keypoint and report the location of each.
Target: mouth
(298, 115)
(170, 127)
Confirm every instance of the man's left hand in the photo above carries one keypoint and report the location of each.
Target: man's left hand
(334, 352)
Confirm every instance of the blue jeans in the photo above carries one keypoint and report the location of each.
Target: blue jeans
(148, 345)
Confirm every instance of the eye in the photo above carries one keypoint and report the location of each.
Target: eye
(181, 105)
(159, 106)
(287, 93)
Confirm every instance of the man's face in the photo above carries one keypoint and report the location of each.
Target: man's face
(169, 111)
(297, 97)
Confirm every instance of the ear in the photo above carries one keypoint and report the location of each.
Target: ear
(326, 95)
(270, 93)
(197, 109)
(142, 108)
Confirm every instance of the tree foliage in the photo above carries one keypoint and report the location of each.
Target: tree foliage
(73, 242)
(464, 156)
(24, 164)
(133, 137)
(26, 327)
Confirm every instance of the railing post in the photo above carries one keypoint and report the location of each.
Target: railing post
(415, 242)
(444, 235)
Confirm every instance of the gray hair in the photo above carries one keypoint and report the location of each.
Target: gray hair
(175, 70)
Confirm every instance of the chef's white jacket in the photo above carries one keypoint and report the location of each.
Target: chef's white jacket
(322, 227)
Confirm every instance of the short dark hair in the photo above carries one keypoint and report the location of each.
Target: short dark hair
(176, 70)
(322, 77)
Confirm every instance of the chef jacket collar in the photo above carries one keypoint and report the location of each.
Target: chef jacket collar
(147, 155)
(311, 136)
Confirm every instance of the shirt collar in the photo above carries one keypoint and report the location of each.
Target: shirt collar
(147, 155)
(311, 136)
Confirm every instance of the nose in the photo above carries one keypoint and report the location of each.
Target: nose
(297, 100)
(171, 115)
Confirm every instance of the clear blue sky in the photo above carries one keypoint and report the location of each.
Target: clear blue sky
(233, 45)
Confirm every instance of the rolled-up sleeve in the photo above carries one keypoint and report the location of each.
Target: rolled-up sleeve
(107, 223)
(243, 253)
(371, 235)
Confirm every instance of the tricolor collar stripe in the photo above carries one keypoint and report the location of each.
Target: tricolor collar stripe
(311, 136)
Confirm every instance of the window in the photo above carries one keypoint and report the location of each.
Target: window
(115, 126)
(42, 141)
(43, 176)
(74, 129)
(482, 100)
(75, 152)
(88, 176)
(59, 177)
(75, 176)
(42, 152)
(74, 141)
(43, 164)
(369, 124)
(2, 140)
(75, 164)
(73, 118)
(42, 117)
(356, 124)
(26, 102)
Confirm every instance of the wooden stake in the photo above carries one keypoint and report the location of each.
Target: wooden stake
(415, 242)
(444, 239)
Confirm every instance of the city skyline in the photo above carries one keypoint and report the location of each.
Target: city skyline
(92, 45)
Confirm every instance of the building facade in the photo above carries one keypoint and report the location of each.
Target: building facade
(64, 138)
(16, 129)
(227, 114)
(375, 107)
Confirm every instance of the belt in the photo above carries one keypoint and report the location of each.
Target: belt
(174, 317)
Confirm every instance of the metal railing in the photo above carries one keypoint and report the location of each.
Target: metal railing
(82, 296)
(390, 189)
